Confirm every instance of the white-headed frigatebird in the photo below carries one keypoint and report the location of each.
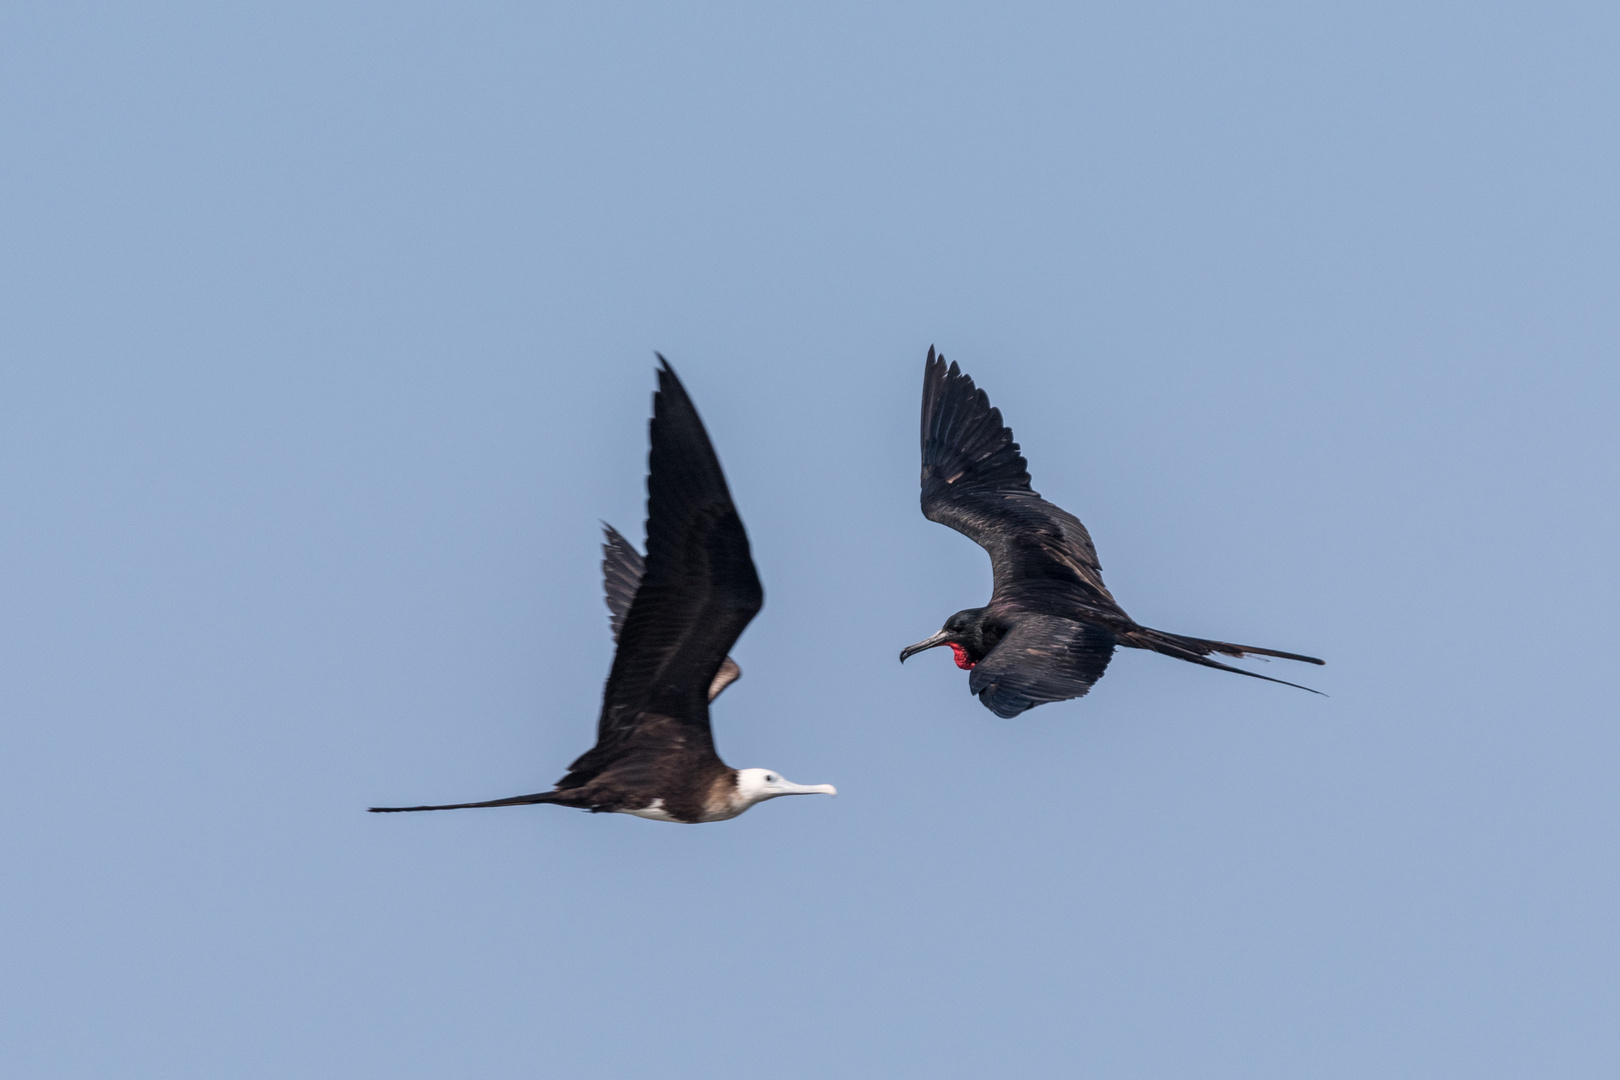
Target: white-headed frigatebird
(654, 755)
(1051, 625)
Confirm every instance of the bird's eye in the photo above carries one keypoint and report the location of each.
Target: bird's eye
(770, 779)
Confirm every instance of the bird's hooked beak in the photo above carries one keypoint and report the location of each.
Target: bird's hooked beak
(941, 638)
(784, 787)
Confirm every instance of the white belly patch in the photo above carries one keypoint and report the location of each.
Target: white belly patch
(653, 811)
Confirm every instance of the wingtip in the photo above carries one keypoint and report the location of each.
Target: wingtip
(668, 381)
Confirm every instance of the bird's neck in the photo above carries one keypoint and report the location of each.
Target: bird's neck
(725, 798)
(984, 632)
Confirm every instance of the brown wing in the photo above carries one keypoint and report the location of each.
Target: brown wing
(698, 592)
(975, 480)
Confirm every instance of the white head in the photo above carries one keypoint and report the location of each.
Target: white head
(757, 785)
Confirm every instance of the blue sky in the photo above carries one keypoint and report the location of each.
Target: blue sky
(327, 334)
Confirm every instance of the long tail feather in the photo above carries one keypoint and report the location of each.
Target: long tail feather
(1240, 671)
(515, 800)
(1197, 650)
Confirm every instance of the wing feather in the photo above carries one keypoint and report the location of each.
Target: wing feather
(622, 567)
(1042, 659)
(975, 480)
(697, 593)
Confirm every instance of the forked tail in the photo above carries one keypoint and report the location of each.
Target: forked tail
(1197, 650)
(515, 800)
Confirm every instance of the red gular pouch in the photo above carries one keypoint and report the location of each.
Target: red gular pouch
(962, 660)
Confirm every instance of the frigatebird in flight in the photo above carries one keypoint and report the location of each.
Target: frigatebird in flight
(1051, 625)
(654, 755)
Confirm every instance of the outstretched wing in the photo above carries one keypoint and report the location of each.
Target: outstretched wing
(975, 480)
(699, 590)
(1043, 658)
(622, 567)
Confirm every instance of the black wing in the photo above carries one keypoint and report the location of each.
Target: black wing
(1043, 658)
(699, 590)
(975, 480)
(622, 567)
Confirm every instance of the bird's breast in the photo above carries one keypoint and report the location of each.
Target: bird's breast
(653, 811)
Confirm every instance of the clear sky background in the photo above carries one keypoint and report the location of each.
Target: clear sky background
(327, 335)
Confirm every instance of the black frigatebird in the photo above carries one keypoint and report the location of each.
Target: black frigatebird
(1051, 625)
(654, 755)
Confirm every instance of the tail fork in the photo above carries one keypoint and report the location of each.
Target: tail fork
(1197, 650)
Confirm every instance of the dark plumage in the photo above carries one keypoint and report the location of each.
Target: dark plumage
(622, 567)
(1051, 625)
(654, 754)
